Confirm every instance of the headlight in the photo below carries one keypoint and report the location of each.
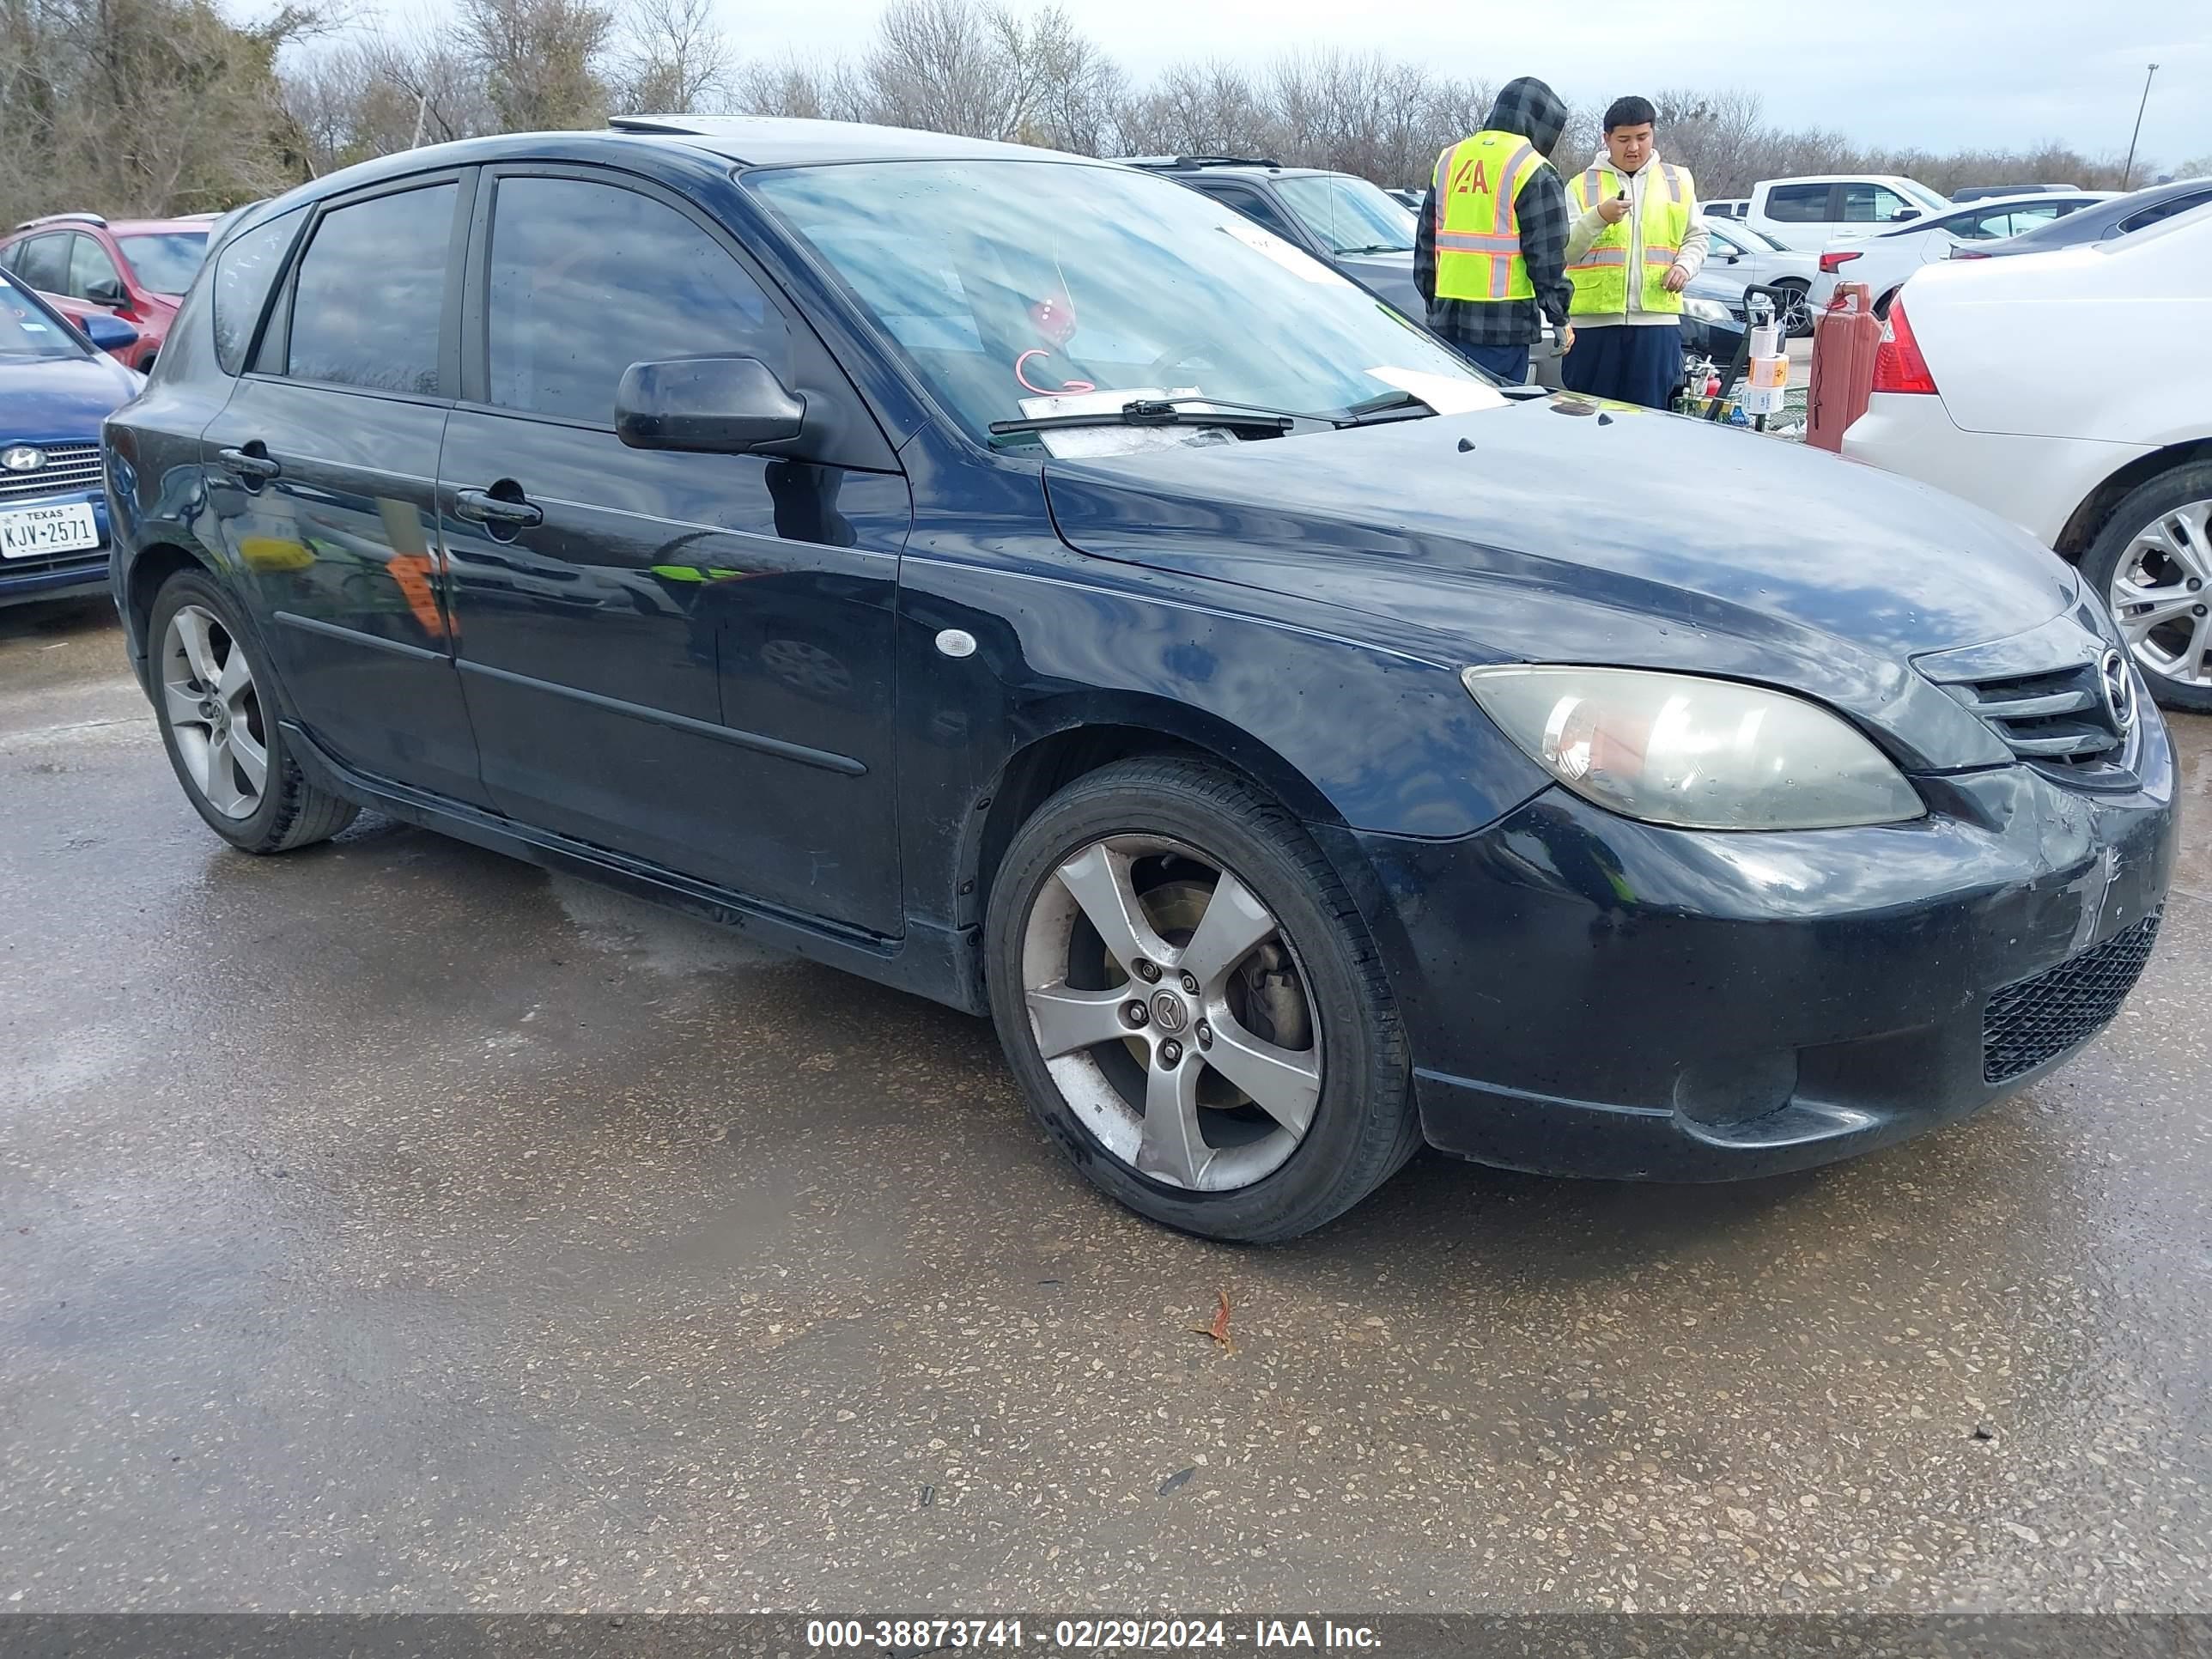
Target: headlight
(1697, 753)
(1706, 310)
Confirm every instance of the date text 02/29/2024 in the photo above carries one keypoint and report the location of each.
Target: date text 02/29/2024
(1085, 1635)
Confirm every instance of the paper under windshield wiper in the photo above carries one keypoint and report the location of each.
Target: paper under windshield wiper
(1157, 411)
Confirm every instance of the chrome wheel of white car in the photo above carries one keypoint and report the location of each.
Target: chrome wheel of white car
(2152, 566)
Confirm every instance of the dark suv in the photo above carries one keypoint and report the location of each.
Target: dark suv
(985, 570)
(1346, 222)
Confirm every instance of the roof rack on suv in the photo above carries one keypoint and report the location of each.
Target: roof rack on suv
(64, 218)
(1168, 163)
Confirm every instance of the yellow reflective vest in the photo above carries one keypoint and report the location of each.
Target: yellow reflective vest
(1601, 276)
(1478, 229)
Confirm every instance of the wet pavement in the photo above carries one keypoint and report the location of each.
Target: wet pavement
(389, 1226)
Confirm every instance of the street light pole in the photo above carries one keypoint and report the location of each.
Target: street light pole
(2128, 171)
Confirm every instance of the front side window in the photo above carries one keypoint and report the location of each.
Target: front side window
(244, 272)
(1254, 206)
(166, 261)
(371, 293)
(1347, 215)
(1069, 278)
(1797, 205)
(587, 279)
(1867, 204)
(89, 267)
(27, 330)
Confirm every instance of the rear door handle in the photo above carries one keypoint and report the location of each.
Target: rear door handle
(252, 462)
(482, 507)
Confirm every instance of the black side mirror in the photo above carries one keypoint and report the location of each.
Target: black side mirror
(1733, 259)
(106, 292)
(718, 406)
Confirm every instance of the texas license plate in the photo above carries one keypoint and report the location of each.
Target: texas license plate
(25, 532)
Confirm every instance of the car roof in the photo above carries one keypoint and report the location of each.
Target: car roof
(1842, 178)
(771, 141)
(157, 227)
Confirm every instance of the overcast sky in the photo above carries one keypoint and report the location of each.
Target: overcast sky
(1940, 73)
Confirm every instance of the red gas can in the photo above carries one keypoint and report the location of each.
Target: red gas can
(1845, 337)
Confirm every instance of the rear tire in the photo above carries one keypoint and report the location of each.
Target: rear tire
(2153, 545)
(1231, 895)
(1799, 320)
(219, 720)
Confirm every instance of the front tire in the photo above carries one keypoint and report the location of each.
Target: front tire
(1192, 1006)
(2152, 566)
(217, 710)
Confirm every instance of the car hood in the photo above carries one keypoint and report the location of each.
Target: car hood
(61, 400)
(1390, 275)
(1560, 530)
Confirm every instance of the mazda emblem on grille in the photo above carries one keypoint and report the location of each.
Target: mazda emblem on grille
(22, 459)
(2119, 690)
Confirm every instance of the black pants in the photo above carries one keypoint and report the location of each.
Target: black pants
(1629, 363)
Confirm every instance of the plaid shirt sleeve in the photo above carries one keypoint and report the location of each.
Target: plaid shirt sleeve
(1541, 208)
(1424, 248)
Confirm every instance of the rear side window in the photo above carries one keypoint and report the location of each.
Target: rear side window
(244, 271)
(371, 293)
(1797, 205)
(587, 279)
(2149, 216)
(43, 262)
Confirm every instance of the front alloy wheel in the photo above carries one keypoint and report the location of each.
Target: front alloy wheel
(1170, 1009)
(1192, 1004)
(2158, 594)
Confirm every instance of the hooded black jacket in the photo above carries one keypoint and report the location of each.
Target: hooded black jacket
(1533, 110)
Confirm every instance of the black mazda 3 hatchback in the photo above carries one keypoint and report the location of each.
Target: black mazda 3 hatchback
(1021, 581)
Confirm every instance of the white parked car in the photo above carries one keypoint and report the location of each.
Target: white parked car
(1741, 257)
(1883, 260)
(1808, 213)
(2071, 392)
(1729, 207)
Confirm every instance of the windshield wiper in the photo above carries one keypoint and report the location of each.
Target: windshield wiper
(1157, 411)
(1380, 247)
(1391, 405)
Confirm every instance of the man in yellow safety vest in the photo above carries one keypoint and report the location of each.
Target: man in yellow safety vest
(1490, 256)
(1635, 244)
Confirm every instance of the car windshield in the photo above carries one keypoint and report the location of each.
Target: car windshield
(165, 261)
(1348, 215)
(27, 330)
(1925, 196)
(1004, 282)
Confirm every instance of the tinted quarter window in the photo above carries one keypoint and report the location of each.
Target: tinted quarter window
(244, 272)
(371, 291)
(587, 279)
(1797, 205)
(43, 262)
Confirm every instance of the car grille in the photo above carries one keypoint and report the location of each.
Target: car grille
(69, 468)
(2040, 1018)
(2077, 720)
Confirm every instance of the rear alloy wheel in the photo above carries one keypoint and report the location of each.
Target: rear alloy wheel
(2153, 565)
(1191, 1007)
(218, 716)
(1797, 318)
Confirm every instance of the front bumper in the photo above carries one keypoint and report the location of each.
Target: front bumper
(61, 575)
(1590, 996)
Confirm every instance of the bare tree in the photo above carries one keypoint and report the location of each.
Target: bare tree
(675, 58)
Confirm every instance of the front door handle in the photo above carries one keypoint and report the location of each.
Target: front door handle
(252, 463)
(508, 511)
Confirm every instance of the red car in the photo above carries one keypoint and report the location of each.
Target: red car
(134, 269)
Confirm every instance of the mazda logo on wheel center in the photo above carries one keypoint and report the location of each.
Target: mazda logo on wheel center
(1167, 1012)
(2119, 689)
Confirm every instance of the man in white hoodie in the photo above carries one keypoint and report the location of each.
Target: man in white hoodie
(1634, 245)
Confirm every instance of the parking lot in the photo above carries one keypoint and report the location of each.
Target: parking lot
(391, 1225)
